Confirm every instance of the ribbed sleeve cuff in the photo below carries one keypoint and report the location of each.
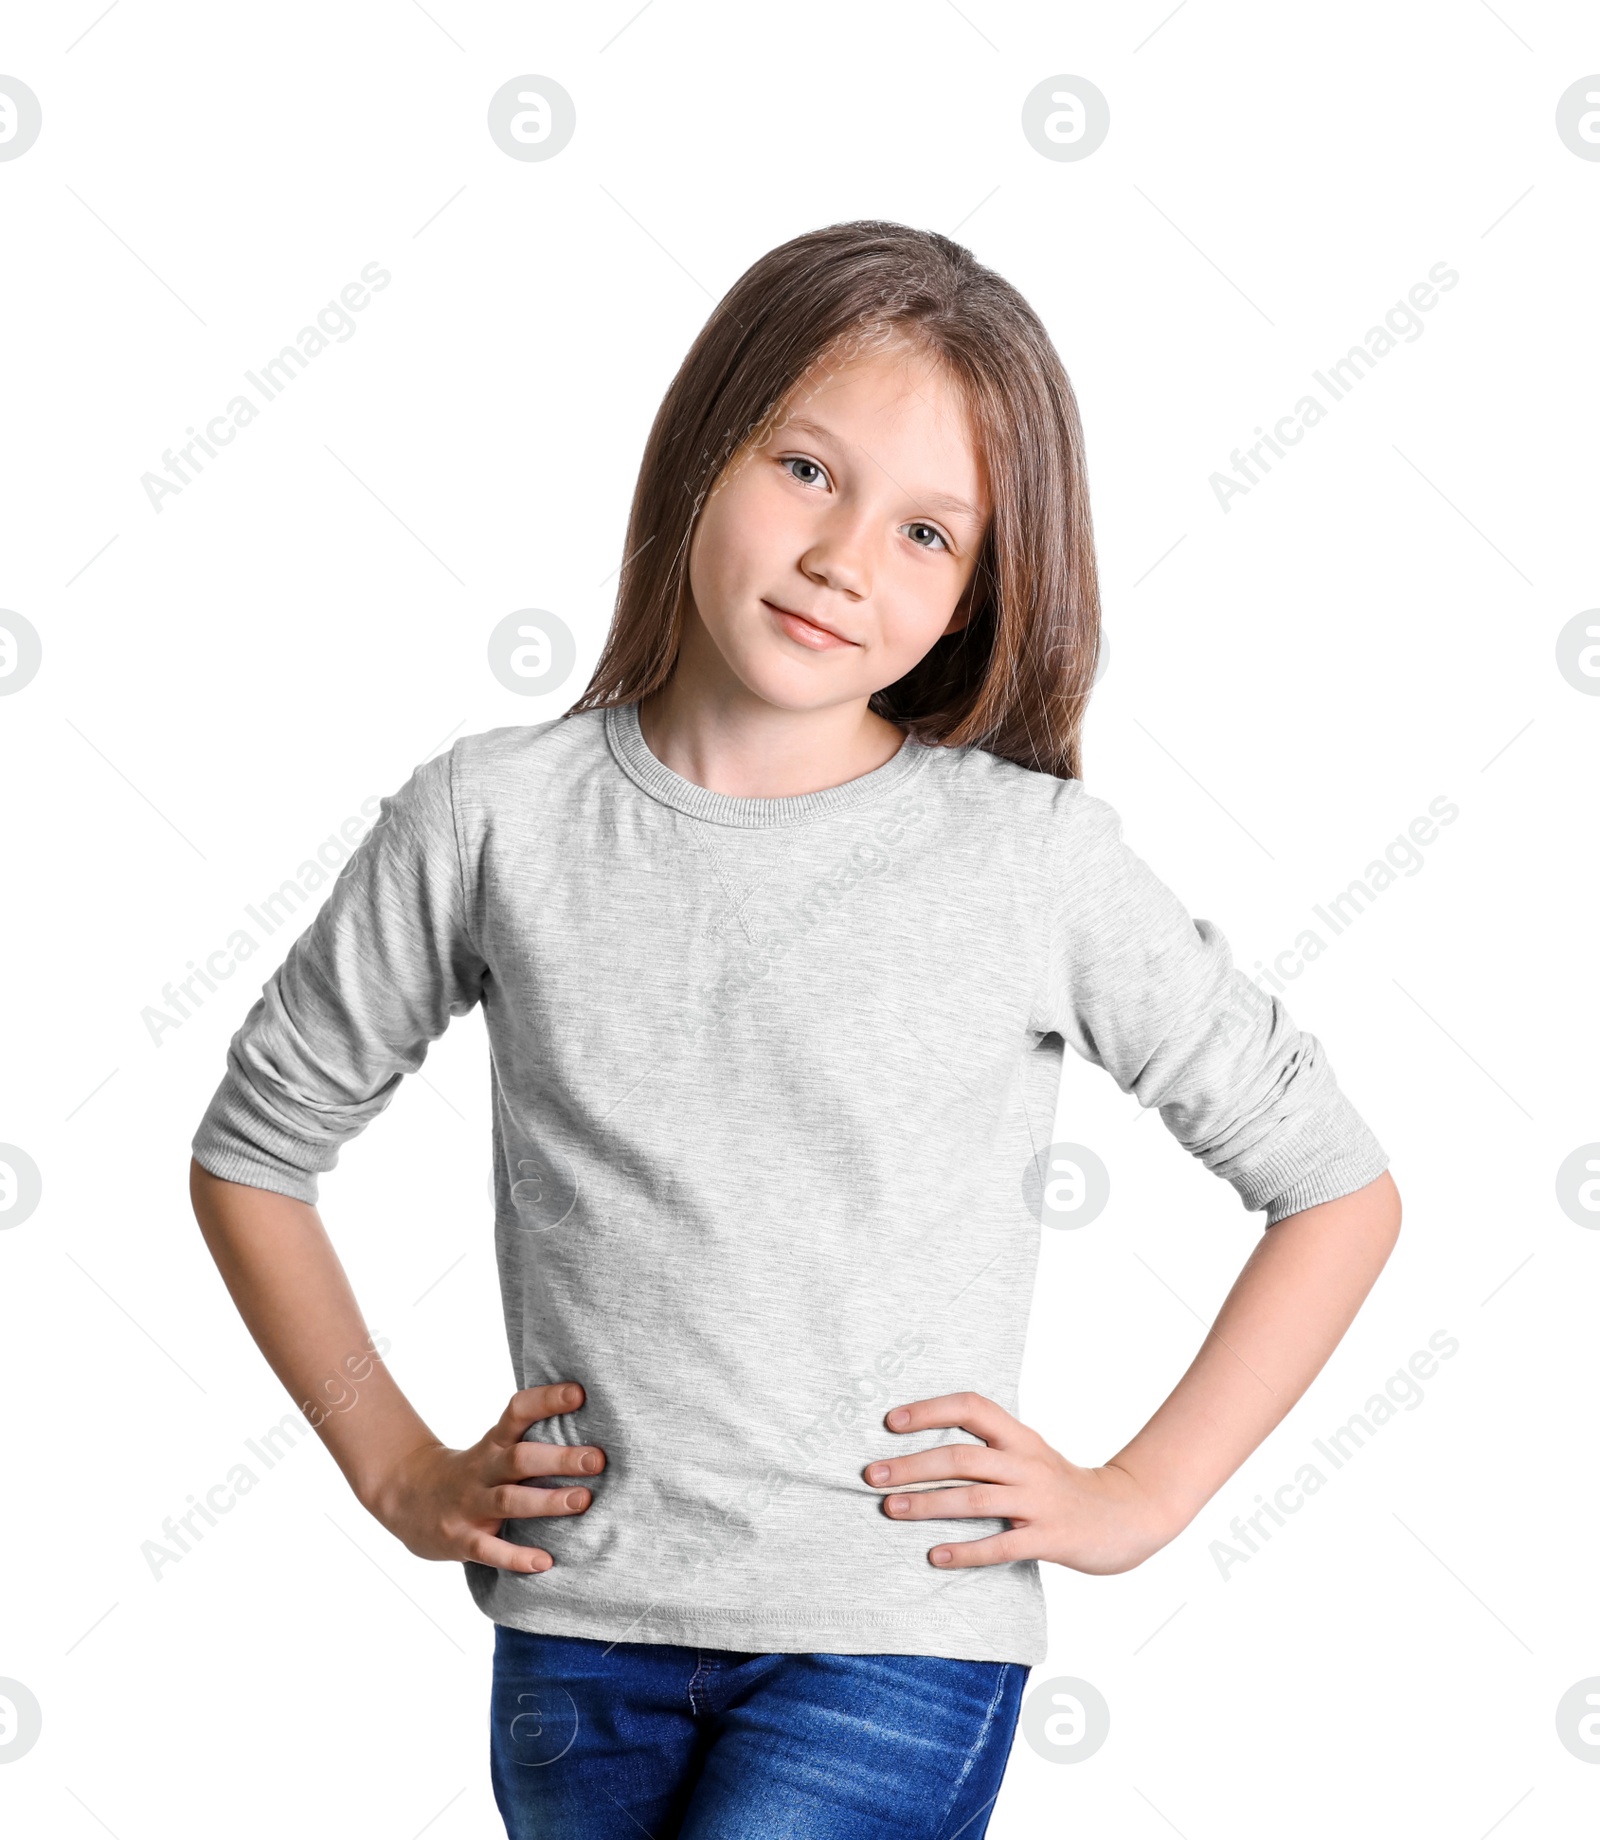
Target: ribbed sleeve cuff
(234, 1166)
(237, 1141)
(1336, 1157)
(1341, 1177)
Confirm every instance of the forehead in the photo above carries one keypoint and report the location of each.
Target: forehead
(889, 378)
(896, 392)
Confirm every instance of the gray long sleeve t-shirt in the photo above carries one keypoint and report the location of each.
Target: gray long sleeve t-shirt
(767, 1078)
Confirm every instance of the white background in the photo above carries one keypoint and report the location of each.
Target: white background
(1292, 681)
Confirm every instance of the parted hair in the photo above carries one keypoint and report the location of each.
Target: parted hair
(1015, 679)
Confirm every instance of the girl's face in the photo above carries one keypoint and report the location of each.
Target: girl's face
(828, 560)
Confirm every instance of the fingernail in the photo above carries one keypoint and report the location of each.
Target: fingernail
(575, 1497)
(877, 1472)
(940, 1555)
(589, 1462)
(898, 1504)
(900, 1416)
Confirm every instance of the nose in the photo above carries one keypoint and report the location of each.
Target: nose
(839, 555)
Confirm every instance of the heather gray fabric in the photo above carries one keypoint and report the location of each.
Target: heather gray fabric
(766, 1077)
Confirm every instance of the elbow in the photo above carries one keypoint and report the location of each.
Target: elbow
(1390, 1201)
(1377, 1209)
(1381, 1200)
(1374, 1207)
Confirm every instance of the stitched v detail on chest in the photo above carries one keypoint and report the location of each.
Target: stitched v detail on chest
(737, 899)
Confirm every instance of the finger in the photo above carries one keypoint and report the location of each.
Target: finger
(504, 1555)
(507, 1501)
(533, 1403)
(998, 1549)
(965, 1411)
(943, 1504)
(975, 1462)
(533, 1457)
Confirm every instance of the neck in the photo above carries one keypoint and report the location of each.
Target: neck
(717, 733)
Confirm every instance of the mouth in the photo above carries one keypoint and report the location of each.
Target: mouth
(805, 630)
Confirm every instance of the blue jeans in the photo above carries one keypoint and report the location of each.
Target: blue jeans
(592, 1739)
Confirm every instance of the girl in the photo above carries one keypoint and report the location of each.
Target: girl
(780, 933)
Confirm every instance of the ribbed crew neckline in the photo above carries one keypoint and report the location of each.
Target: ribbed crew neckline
(658, 779)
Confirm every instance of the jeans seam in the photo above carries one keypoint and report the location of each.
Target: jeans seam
(1000, 1682)
(694, 1680)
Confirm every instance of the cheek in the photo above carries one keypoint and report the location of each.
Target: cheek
(917, 614)
(722, 557)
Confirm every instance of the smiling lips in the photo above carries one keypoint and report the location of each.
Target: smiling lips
(807, 632)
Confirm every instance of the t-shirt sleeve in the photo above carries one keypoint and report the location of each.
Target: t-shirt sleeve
(376, 976)
(1136, 986)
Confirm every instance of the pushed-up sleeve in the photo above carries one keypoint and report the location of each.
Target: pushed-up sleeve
(376, 976)
(1136, 986)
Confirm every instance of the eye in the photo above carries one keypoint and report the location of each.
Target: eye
(933, 528)
(789, 460)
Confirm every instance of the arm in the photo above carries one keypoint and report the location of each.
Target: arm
(286, 1279)
(1286, 1313)
(1137, 987)
(1294, 1299)
(387, 960)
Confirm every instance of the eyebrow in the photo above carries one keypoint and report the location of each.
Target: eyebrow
(943, 501)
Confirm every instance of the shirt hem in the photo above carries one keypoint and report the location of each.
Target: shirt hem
(771, 1629)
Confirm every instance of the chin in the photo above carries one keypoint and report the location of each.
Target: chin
(785, 681)
(801, 690)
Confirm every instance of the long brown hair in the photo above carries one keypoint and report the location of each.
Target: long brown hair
(1015, 679)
